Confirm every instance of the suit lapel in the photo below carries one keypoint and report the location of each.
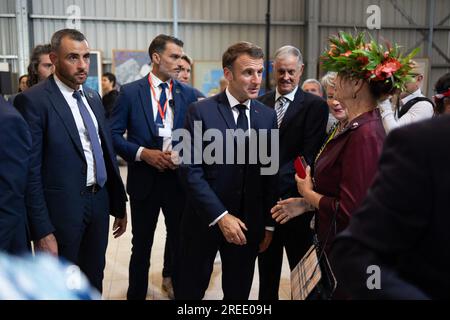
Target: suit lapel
(63, 110)
(293, 109)
(225, 111)
(146, 104)
(254, 116)
(179, 101)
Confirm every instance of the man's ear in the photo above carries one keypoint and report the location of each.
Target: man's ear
(156, 58)
(53, 57)
(228, 74)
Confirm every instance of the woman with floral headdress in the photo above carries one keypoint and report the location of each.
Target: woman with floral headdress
(346, 167)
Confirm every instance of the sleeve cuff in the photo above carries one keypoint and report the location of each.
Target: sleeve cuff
(270, 229)
(138, 154)
(217, 220)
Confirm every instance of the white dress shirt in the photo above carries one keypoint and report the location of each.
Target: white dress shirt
(169, 116)
(421, 110)
(67, 92)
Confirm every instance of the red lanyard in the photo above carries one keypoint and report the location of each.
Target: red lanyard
(161, 110)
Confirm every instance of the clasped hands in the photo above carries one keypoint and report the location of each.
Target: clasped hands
(161, 160)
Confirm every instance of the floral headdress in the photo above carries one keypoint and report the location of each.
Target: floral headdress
(371, 61)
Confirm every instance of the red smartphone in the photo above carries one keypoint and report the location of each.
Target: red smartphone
(300, 167)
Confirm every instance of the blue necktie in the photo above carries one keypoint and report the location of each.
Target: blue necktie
(162, 102)
(99, 162)
(242, 120)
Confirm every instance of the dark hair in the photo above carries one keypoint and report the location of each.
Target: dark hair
(35, 59)
(442, 85)
(239, 49)
(158, 45)
(20, 79)
(381, 88)
(186, 58)
(59, 35)
(111, 77)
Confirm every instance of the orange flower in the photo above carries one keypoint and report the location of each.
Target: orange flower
(347, 54)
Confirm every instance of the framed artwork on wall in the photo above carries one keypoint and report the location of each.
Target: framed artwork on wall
(206, 76)
(94, 80)
(130, 65)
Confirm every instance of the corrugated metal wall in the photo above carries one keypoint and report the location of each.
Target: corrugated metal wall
(209, 26)
(8, 29)
(206, 26)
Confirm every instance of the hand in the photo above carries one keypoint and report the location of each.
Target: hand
(119, 226)
(171, 157)
(47, 244)
(231, 228)
(156, 158)
(265, 243)
(305, 185)
(287, 209)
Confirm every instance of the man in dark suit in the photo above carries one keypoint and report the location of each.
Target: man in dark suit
(74, 179)
(15, 145)
(396, 246)
(149, 109)
(228, 200)
(302, 118)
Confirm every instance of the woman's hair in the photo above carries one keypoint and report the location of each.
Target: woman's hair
(441, 86)
(328, 79)
(381, 88)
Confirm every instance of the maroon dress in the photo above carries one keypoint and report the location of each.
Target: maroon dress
(344, 172)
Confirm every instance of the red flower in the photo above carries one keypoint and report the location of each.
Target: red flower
(363, 60)
(385, 70)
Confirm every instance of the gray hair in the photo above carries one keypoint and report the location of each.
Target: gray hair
(312, 81)
(289, 50)
(328, 79)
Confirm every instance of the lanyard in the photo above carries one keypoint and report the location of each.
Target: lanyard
(161, 110)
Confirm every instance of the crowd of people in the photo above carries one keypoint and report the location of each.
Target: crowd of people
(375, 191)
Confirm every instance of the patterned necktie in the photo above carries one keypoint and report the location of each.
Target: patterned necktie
(99, 162)
(162, 102)
(280, 109)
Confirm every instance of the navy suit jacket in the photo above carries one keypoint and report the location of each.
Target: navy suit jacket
(133, 113)
(213, 189)
(15, 145)
(403, 225)
(58, 165)
(302, 133)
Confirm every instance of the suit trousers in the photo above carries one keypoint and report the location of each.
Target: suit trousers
(296, 237)
(198, 252)
(168, 196)
(88, 246)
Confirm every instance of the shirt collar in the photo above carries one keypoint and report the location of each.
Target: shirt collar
(290, 96)
(413, 95)
(234, 102)
(65, 88)
(156, 81)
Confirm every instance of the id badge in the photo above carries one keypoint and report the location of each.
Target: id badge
(164, 132)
